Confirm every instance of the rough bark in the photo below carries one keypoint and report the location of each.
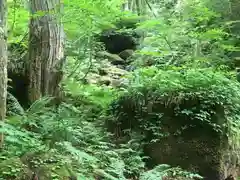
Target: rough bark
(46, 53)
(3, 62)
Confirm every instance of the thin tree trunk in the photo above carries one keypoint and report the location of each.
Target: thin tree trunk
(124, 7)
(46, 51)
(3, 62)
(129, 4)
(138, 7)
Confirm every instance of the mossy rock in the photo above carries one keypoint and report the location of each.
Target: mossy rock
(49, 165)
(105, 80)
(53, 171)
(108, 74)
(181, 114)
(13, 168)
(113, 58)
(126, 54)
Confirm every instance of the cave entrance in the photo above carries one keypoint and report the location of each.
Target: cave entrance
(116, 43)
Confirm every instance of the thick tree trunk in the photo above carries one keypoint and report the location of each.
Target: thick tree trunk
(3, 62)
(46, 53)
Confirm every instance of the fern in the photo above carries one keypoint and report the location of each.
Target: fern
(13, 106)
(39, 106)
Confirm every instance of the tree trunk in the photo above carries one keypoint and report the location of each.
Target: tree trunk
(3, 62)
(46, 51)
(127, 5)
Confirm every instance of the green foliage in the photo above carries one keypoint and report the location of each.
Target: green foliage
(90, 94)
(13, 106)
(91, 16)
(193, 35)
(13, 168)
(192, 95)
(67, 130)
(17, 20)
(182, 42)
(74, 139)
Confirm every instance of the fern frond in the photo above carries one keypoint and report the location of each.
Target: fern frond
(39, 105)
(13, 106)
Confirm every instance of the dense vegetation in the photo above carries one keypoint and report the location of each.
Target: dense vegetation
(166, 72)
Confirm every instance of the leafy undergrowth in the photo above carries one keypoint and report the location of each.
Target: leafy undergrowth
(178, 86)
(184, 97)
(69, 141)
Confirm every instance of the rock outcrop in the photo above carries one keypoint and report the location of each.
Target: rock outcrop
(108, 74)
(123, 36)
(17, 74)
(182, 126)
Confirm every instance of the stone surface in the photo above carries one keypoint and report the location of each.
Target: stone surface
(192, 144)
(126, 54)
(108, 74)
(124, 35)
(113, 58)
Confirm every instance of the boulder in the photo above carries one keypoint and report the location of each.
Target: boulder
(107, 74)
(102, 72)
(126, 54)
(115, 71)
(105, 80)
(92, 78)
(197, 148)
(180, 122)
(124, 35)
(108, 80)
(113, 58)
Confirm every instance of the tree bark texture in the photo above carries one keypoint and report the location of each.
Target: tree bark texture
(46, 49)
(3, 62)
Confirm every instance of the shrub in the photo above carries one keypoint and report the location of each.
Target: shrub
(193, 96)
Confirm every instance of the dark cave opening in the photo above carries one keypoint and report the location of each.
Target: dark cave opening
(116, 43)
(17, 86)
